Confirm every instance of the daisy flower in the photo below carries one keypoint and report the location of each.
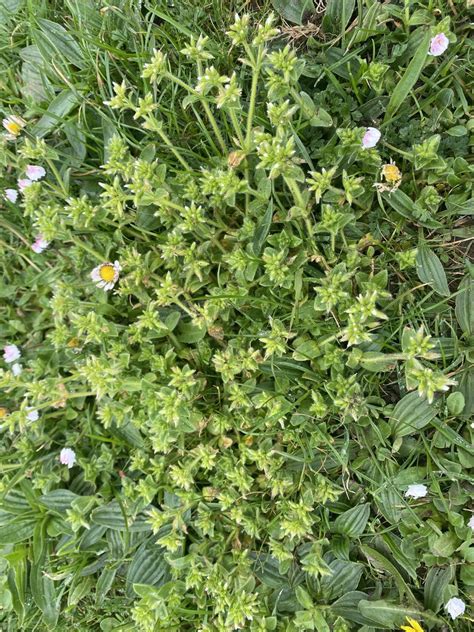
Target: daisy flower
(16, 369)
(413, 626)
(393, 177)
(106, 275)
(455, 607)
(471, 522)
(11, 195)
(34, 172)
(13, 124)
(67, 456)
(391, 173)
(11, 353)
(416, 491)
(371, 137)
(40, 244)
(439, 43)
(24, 183)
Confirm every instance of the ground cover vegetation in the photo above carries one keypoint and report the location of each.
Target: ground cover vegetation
(237, 382)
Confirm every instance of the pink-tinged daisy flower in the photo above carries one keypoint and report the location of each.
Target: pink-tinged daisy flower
(416, 491)
(40, 244)
(11, 353)
(371, 137)
(24, 183)
(16, 369)
(67, 457)
(439, 43)
(11, 195)
(13, 125)
(106, 275)
(32, 415)
(34, 172)
(455, 607)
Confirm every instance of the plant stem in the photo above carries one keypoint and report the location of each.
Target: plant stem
(173, 149)
(237, 127)
(211, 117)
(253, 94)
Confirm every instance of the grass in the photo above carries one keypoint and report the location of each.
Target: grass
(287, 348)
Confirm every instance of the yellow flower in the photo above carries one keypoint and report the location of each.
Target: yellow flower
(391, 173)
(106, 275)
(13, 125)
(3, 412)
(413, 626)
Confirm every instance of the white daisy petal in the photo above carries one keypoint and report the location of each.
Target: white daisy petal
(439, 43)
(40, 244)
(16, 369)
(416, 491)
(67, 456)
(35, 172)
(11, 353)
(371, 137)
(11, 195)
(106, 275)
(455, 607)
(24, 183)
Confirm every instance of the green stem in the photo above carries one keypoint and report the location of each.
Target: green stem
(399, 151)
(90, 250)
(57, 175)
(237, 127)
(173, 149)
(207, 109)
(211, 117)
(253, 94)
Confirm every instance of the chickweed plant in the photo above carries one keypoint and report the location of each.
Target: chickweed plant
(237, 376)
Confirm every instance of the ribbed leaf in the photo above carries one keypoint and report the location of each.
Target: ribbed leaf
(388, 616)
(409, 78)
(389, 503)
(353, 522)
(408, 208)
(57, 110)
(466, 387)
(59, 500)
(262, 230)
(345, 576)
(148, 567)
(412, 413)
(53, 40)
(266, 568)
(92, 536)
(430, 270)
(17, 531)
(346, 607)
(293, 10)
(436, 581)
(381, 562)
(337, 15)
(15, 502)
(111, 516)
(104, 584)
(465, 306)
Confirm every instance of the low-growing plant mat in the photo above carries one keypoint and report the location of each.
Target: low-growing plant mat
(237, 316)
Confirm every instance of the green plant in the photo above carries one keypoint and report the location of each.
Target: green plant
(222, 427)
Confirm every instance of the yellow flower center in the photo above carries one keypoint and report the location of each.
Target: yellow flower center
(3, 412)
(107, 272)
(391, 173)
(13, 128)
